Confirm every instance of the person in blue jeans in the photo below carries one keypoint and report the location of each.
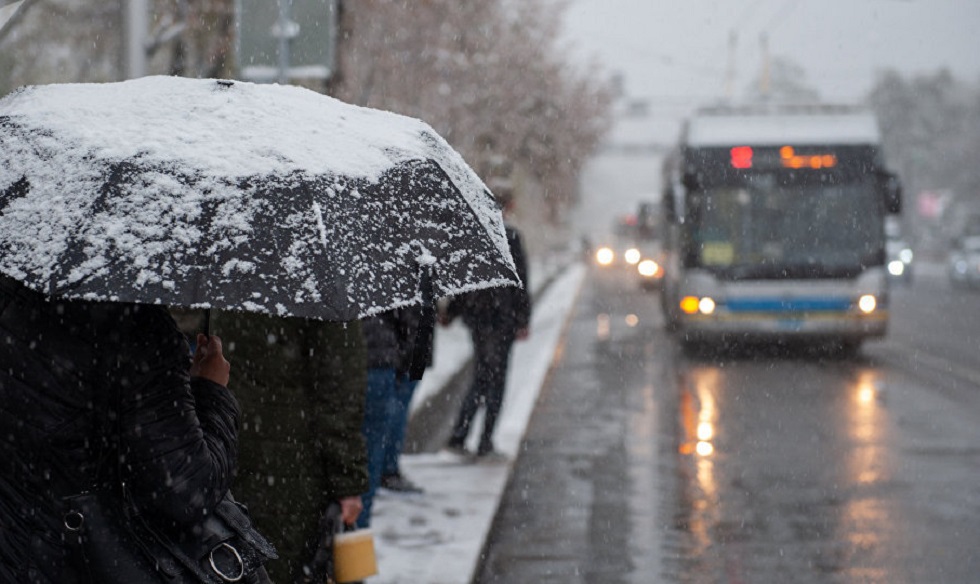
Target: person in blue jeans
(394, 440)
(390, 340)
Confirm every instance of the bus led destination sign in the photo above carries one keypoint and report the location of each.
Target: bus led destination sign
(744, 157)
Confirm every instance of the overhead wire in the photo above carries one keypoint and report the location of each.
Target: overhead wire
(787, 8)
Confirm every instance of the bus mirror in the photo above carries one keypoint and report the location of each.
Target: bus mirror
(891, 191)
(690, 181)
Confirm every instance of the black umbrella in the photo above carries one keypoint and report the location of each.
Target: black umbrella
(213, 194)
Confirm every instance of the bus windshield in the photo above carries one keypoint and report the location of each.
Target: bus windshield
(763, 229)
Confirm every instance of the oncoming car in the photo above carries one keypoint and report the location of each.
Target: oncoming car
(899, 257)
(625, 259)
(651, 274)
(619, 248)
(605, 256)
(609, 255)
(964, 262)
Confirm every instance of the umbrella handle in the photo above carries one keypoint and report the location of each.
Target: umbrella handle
(206, 327)
(427, 325)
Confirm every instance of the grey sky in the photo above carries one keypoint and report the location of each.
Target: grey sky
(674, 53)
(679, 48)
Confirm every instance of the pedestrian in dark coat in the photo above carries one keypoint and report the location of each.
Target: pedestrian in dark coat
(177, 420)
(496, 318)
(301, 384)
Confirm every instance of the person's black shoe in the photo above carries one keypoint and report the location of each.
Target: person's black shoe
(457, 450)
(491, 456)
(487, 453)
(398, 483)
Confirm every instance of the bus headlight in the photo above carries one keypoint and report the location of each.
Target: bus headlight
(867, 303)
(632, 256)
(604, 256)
(689, 305)
(649, 269)
(706, 305)
(694, 305)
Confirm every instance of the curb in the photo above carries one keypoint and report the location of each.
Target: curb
(438, 537)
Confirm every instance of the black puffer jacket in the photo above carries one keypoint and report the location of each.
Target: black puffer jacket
(178, 435)
(390, 338)
(501, 310)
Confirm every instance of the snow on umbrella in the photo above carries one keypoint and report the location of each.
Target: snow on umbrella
(220, 194)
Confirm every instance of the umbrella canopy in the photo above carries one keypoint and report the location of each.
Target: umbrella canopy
(220, 194)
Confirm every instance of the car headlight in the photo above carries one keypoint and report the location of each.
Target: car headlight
(649, 269)
(896, 268)
(604, 256)
(632, 256)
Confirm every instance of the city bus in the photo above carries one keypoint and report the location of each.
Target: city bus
(774, 219)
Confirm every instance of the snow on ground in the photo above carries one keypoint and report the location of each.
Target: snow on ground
(437, 537)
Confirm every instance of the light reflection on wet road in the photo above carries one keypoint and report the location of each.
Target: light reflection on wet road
(643, 465)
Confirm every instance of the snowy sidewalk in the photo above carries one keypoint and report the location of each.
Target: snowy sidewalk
(437, 537)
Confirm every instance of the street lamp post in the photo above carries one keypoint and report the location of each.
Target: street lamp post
(137, 30)
(285, 30)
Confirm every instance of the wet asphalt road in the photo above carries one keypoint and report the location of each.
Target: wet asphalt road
(642, 465)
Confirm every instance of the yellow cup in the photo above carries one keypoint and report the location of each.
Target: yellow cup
(353, 556)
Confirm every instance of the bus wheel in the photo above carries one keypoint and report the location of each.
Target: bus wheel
(692, 348)
(671, 323)
(849, 349)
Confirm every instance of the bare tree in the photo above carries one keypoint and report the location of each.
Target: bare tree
(64, 40)
(201, 38)
(486, 76)
(82, 41)
(931, 132)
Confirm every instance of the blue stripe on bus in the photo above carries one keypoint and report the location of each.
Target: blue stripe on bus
(787, 304)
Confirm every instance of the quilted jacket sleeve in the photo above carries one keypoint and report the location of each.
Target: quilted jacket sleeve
(178, 435)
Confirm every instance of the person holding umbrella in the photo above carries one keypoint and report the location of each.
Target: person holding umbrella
(177, 421)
